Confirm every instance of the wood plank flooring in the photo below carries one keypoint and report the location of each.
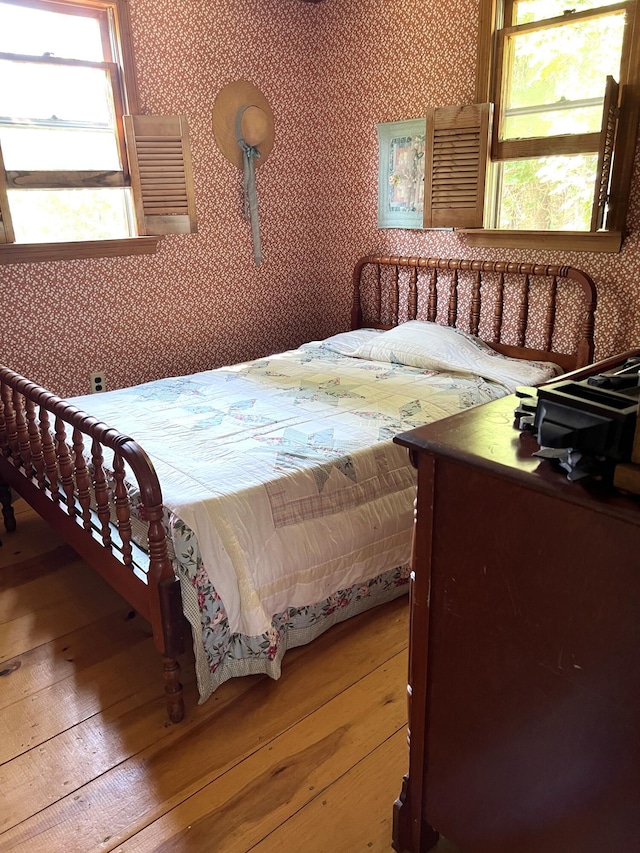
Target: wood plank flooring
(312, 762)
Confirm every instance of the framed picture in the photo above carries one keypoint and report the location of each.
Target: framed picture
(401, 173)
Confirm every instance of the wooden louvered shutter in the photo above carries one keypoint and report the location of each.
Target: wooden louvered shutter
(605, 154)
(161, 174)
(6, 227)
(457, 146)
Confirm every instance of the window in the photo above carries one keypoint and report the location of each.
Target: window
(76, 165)
(562, 83)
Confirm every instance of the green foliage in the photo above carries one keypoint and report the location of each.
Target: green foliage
(548, 194)
(564, 64)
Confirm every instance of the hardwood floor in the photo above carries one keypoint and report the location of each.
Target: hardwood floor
(88, 762)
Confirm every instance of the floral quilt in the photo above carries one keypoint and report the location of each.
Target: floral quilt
(293, 508)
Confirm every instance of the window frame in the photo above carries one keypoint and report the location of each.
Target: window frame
(113, 18)
(496, 16)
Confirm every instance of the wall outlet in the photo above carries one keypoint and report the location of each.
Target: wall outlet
(98, 382)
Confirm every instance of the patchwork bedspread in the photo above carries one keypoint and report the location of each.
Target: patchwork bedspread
(284, 470)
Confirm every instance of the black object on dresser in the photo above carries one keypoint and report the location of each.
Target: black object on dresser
(524, 657)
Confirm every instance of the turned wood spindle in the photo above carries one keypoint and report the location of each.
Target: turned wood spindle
(475, 304)
(123, 509)
(82, 479)
(550, 319)
(8, 514)
(453, 300)
(161, 573)
(523, 315)
(412, 305)
(499, 310)
(24, 448)
(395, 296)
(432, 305)
(10, 420)
(378, 305)
(49, 453)
(159, 564)
(4, 445)
(101, 492)
(65, 465)
(588, 326)
(35, 443)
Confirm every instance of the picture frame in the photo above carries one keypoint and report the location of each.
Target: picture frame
(401, 173)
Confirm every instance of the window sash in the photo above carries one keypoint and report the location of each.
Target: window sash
(102, 14)
(597, 144)
(99, 11)
(529, 147)
(560, 20)
(511, 8)
(47, 179)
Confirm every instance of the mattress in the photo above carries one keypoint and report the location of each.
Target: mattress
(287, 503)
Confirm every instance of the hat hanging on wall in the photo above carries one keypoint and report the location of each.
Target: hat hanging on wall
(256, 122)
(243, 128)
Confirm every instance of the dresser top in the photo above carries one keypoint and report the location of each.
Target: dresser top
(485, 437)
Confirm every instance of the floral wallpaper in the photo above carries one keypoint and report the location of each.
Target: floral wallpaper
(331, 71)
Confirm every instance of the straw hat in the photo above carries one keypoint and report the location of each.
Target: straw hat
(256, 124)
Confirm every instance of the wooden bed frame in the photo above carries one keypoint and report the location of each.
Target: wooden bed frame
(50, 472)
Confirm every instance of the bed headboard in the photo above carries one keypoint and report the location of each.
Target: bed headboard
(530, 311)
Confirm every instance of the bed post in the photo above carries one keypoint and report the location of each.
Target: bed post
(5, 490)
(586, 343)
(356, 305)
(173, 636)
(165, 609)
(7, 509)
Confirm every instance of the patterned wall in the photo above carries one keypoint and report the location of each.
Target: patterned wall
(331, 71)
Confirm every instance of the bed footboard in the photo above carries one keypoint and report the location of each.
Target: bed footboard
(53, 455)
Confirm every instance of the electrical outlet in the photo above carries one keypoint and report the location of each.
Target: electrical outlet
(98, 382)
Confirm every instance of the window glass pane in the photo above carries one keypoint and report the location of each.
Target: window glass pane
(547, 193)
(51, 216)
(44, 148)
(41, 92)
(54, 117)
(38, 32)
(561, 65)
(538, 10)
(553, 122)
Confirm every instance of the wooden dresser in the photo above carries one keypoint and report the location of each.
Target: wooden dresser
(524, 672)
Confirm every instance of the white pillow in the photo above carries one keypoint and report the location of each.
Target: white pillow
(346, 343)
(430, 346)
